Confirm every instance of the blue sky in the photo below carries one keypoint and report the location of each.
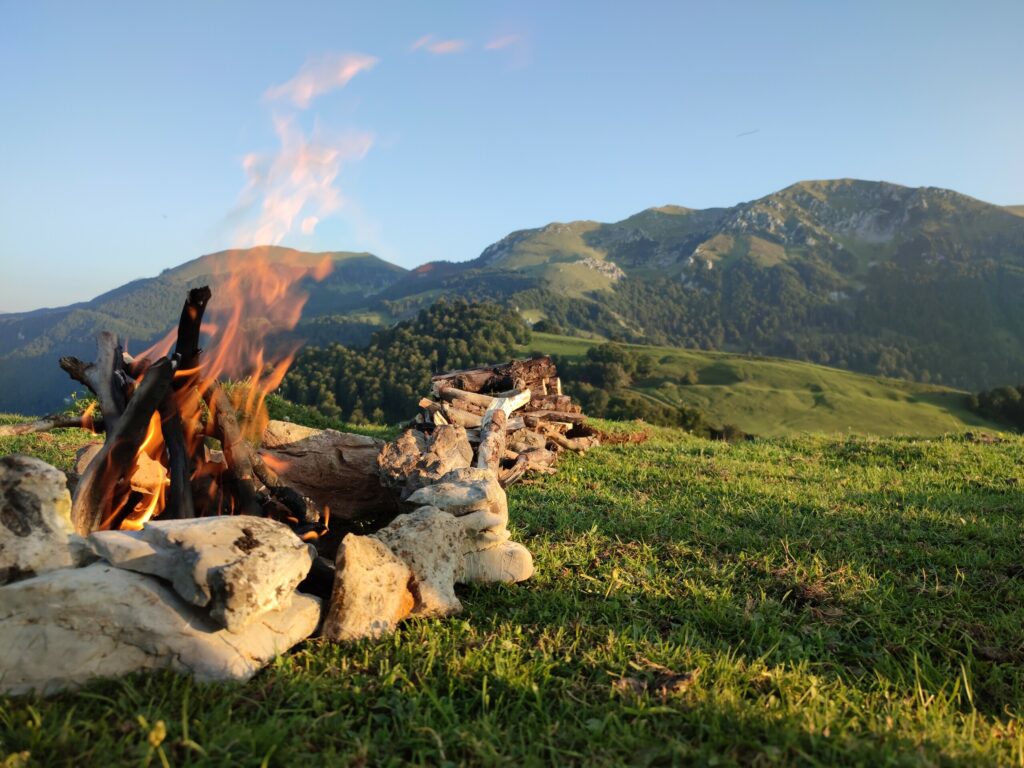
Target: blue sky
(423, 131)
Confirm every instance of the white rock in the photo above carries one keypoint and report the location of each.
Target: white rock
(36, 534)
(66, 627)
(239, 565)
(430, 542)
(371, 590)
(476, 498)
(508, 562)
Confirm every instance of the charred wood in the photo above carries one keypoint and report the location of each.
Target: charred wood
(105, 479)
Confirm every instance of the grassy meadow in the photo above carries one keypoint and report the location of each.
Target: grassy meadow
(774, 397)
(809, 600)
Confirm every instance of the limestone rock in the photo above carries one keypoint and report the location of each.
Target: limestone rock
(508, 562)
(430, 542)
(36, 534)
(335, 469)
(476, 498)
(240, 566)
(371, 590)
(66, 627)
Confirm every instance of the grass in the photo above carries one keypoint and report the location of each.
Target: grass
(774, 397)
(809, 600)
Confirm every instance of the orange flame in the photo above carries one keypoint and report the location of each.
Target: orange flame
(256, 293)
(88, 420)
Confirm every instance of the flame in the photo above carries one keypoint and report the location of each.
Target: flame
(88, 420)
(257, 293)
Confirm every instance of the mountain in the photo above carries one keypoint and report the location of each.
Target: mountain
(915, 283)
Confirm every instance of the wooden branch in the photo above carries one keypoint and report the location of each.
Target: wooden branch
(179, 504)
(492, 440)
(105, 377)
(187, 346)
(513, 403)
(462, 418)
(451, 394)
(54, 421)
(105, 479)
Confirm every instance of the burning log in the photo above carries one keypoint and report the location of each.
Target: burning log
(103, 489)
(180, 504)
(238, 454)
(186, 349)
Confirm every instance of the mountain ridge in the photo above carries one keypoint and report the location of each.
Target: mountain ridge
(914, 282)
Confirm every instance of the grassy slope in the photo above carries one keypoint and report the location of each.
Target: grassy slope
(773, 397)
(845, 600)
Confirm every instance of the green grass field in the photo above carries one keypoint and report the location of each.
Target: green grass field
(796, 601)
(774, 397)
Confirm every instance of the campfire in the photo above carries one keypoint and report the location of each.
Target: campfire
(210, 555)
(158, 417)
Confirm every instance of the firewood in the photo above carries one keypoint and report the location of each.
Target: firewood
(186, 349)
(179, 503)
(559, 416)
(461, 417)
(513, 402)
(105, 377)
(452, 395)
(579, 444)
(238, 454)
(53, 421)
(492, 440)
(537, 460)
(517, 374)
(511, 475)
(553, 403)
(104, 479)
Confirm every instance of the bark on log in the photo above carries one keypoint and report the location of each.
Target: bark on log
(534, 374)
(105, 477)
(336, 470)
(451, 394)
(461, 417)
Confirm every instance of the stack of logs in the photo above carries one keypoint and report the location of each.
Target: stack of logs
(514, 414)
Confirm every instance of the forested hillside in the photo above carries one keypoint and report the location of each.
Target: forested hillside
(382, 383)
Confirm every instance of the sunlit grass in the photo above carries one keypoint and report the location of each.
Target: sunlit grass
(835, 601)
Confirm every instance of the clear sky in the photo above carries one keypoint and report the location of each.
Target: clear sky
(136, 136)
